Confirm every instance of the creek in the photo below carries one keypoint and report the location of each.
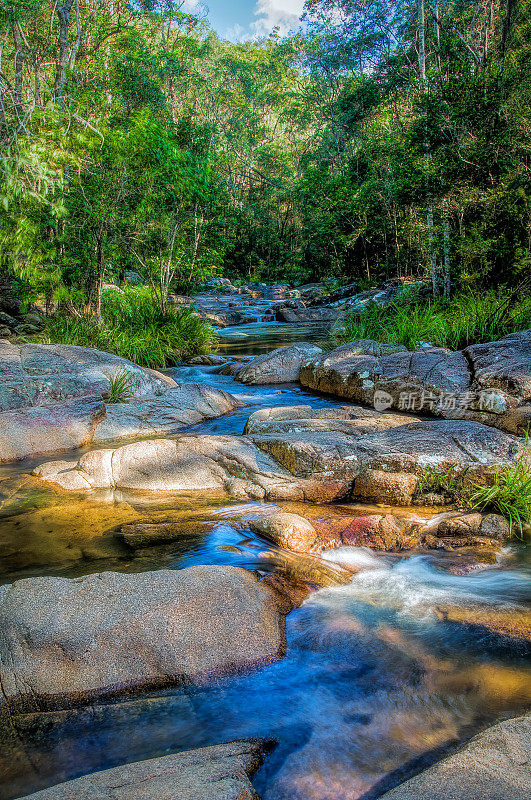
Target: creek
(373, 683)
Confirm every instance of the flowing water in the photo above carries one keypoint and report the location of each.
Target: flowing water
(374, 683)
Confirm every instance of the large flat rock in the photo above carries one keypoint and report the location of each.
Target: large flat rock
(352, 420)
(310, 456)
(186, 404)
(33, 374)
(484, 383)
(70, 424)
(221, 465)
(495, 765)
(221, 772)
(65, 642)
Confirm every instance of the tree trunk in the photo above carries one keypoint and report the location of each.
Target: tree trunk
(432, 253)
(422, 46)
(19, 72)
(446, 247)
(63, 15)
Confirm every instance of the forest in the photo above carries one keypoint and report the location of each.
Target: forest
(382, 139)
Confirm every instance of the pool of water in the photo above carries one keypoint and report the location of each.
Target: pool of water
(374, 682)
(261, 337)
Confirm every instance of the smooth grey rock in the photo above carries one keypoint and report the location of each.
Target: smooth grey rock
(494, 765)
(220, 772)
(33, 374)
(354, 420)
(221, 465)
(304, 316)
(358, 370)
(186, 404)
(371, 455)
(50, 400)
(483, 383)
(280, 366)
(48, 428)
(504, 364)
(68, 641)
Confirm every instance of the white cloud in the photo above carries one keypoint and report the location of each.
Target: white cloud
(282, 14)
(237, 33)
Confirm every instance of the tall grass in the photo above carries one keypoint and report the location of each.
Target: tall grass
(509, 493)
(465, 319)
(135, 327)
(506, 492)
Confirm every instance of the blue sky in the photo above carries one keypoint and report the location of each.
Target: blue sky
(249, 19)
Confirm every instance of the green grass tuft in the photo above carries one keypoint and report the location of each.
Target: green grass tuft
(121, 386)
(509, 493)
(135, 327)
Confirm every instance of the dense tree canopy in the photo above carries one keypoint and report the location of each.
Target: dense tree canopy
(382, 139)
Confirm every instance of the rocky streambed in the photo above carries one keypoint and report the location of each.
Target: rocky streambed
(235, 576)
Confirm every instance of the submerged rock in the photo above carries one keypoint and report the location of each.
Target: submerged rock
(302, 570)
(148, 534)
(279, 366)
(494, 765)
(507, 623)
(61, 534)
(65, 642)
(220, 772)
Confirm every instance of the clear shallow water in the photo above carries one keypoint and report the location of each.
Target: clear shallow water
(372, 680)
(261, 337)
(254, 398)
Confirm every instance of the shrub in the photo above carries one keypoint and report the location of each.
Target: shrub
(135, 327)
(463, 320)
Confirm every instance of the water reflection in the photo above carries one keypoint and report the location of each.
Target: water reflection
(261, 337)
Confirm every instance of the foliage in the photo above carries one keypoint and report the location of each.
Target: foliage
(507, 490)
(131, 137)
(134, 326)
(509, 493)
(450, 483)
(121, 390)
(465, 319)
